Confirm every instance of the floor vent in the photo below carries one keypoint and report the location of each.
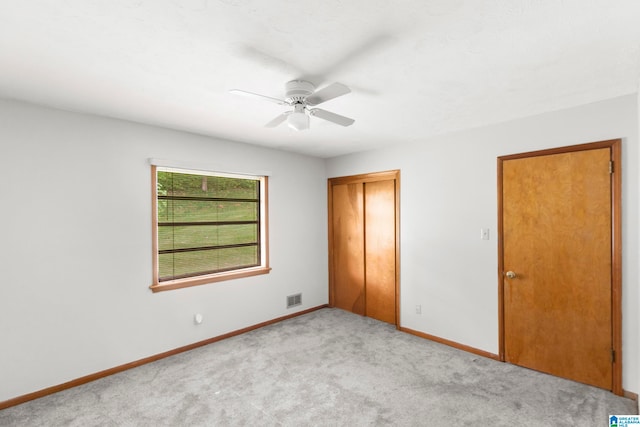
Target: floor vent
(293, 300)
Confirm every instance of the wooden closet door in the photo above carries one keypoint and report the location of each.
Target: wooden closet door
(348, 247)
(380, 250)
(363, 244)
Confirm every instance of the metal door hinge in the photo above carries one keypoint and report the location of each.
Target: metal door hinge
(610, 166)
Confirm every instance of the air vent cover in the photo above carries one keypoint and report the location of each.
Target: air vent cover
(293, 300)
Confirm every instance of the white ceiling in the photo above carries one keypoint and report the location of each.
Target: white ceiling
(417, 68)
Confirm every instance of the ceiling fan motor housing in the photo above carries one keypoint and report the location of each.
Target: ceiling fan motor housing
(298, 90)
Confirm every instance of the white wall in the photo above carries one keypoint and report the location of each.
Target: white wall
(75, 199)
(76, 240)
(448, 193)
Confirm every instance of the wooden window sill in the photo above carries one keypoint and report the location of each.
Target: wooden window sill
(211, 278)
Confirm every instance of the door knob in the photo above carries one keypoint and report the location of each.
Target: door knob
(510, 275)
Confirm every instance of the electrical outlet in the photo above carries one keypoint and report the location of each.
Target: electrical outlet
(418, 309)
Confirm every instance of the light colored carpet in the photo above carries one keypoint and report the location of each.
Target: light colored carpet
(326, 368)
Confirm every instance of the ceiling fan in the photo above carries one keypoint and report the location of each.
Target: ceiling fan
(300, 94)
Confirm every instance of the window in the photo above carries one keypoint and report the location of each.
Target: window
(207, 227)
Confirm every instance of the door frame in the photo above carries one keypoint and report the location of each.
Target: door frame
(364, 178)
(615, 146)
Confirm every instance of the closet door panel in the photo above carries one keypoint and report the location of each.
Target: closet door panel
(380, 250)
(348, 247)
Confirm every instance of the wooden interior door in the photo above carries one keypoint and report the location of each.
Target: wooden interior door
(363, 244)
(558, 287)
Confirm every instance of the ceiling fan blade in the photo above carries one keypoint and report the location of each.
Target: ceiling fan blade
(332, 117)
(275, 122)
(258, 96)
(332, 91)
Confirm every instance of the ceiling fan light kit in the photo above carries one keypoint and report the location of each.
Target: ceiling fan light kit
(300, 94)
(297, 119)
